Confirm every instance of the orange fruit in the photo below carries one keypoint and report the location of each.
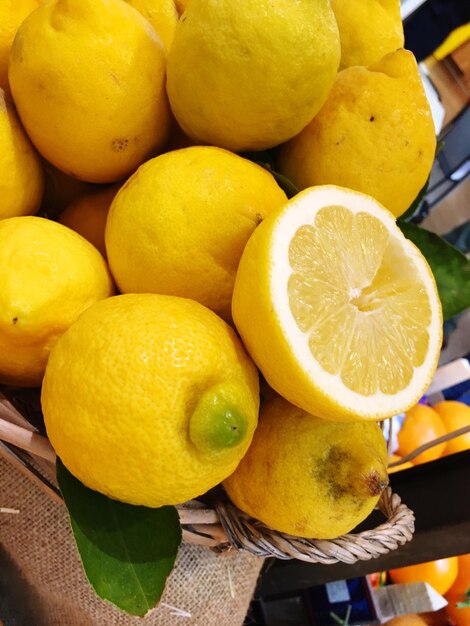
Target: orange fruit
(440, 574)
(458, 593)
(398, 468)
(407, 620)
(455, 415)
(422, 424)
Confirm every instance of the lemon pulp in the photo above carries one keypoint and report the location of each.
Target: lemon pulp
(359, 300)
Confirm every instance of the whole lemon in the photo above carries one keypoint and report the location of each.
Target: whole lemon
(165, 399)
(309, 477)
(263, 71)
(368, 30)
(374, 134)
(21, 180)
(12, 13)
(161, 14)
(49, 275)
(88, 80)
(180, 224)
(87, 215)
(454, 415)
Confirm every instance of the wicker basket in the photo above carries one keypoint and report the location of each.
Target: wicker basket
(220, 525)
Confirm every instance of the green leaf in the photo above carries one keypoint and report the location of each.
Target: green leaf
(450, 267)
(127, 551)
(466, 603)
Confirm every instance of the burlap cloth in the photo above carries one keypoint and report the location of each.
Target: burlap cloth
(204, 589)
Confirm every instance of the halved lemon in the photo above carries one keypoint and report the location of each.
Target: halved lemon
(337, 308)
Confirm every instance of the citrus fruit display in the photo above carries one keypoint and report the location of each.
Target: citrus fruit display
(95, 121)
(374, 134)
(332, 259)
(440, 574)
(455, 415)
(60, 190)
(368, 30)
(49, 275)
(161, 14)
(87, 215)
(179, 225)
(262, 73)
(12, 13)
(309, 477)
(422, 424)
(21, 180)
(182, 420)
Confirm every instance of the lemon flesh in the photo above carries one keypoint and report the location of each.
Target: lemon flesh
(373, 297)
(337, 308)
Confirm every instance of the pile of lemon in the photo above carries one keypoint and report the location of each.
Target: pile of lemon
(139, 114)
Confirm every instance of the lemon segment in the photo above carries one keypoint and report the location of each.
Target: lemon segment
(339, 311)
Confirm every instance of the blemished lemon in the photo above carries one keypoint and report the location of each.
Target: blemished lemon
(97, 121)
(374, 134)
(262, 72)
(49, 275)
(455, 415)
(338, 310)
(422, 424)
(368, 30)
(87, 215)
(12, 13)
(21, 178)
(165, 399)
(179, 225)
(161, 14)
(309, 477)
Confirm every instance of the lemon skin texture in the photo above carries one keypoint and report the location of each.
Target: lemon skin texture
(165, 399)
(49, 275)
(88, 80)
(180, 224)
(22, 180)
(263, 71)
(309, 477)
(12, 13)
(161, 14)
(368, 30)
(374, 134)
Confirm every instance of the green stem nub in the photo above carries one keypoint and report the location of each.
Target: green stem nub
(216, 423)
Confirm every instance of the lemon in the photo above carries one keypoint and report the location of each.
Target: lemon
(88, 80)
(180, 224)
(263, 71)
(165, 399)
(12, 13)
(87, 215)
(49, 275)
(374, 134)
(21, 180)
(60, 190)
(339, 311)
(309, 477)
(368, 30)
(161, 14)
